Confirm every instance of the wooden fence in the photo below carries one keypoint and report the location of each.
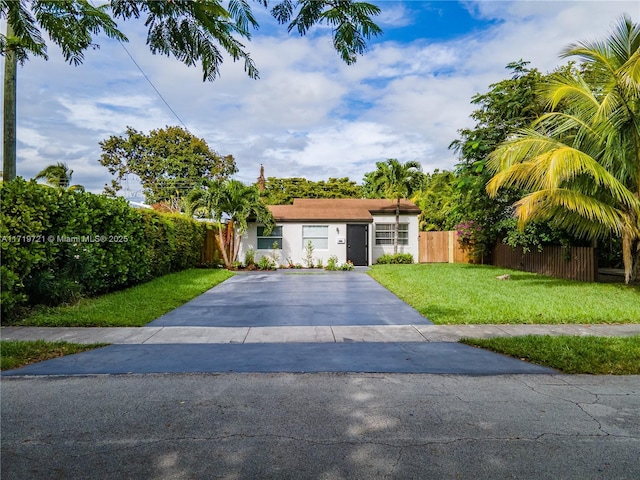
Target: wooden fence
(210, 251)
(440, 247)
(573, 263)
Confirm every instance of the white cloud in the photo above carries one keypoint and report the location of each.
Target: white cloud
(309, 114)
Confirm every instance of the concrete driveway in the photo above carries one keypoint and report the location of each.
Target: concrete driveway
(295, 300)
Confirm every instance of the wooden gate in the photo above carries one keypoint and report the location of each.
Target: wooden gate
(440, 247)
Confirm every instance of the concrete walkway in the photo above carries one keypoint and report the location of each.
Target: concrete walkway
(304, 334)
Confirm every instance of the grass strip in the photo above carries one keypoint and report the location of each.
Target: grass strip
(133, 307)
(471, 294)
(16, 354)
(570, 354)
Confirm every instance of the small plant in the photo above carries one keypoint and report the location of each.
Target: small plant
(308, 249)
(467, 232)
(332, 263)
(298, 266)
(275, 254)
(250, 257)
(236, 265)
(290, 263)
(319, 263)
(266, 263)
(398, 258)
(347, 266)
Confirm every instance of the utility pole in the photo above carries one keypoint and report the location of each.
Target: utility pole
(9, 118)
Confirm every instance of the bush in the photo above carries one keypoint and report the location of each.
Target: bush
(266, 263)
(398, 258)
(332, 263)
(59, 244)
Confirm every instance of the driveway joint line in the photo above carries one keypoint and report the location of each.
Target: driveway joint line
(420, 333)
(333, 334)
(247, 334)
(153, 335)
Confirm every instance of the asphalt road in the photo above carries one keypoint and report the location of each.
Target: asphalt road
(320, 426)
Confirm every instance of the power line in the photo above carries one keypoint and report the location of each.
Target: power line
(152, 85)
(149, 80)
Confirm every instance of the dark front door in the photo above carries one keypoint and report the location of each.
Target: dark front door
(357, 237)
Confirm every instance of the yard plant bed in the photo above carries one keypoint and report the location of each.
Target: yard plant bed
(569, 354)
(16, 354)
(133, 307)
(471, 294)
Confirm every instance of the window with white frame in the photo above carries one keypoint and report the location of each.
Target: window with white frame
(384, 233)
(317, 234)
(265, 242)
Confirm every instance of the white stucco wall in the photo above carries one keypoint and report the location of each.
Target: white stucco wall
(293, 247)
(292, 243)
(414, 234)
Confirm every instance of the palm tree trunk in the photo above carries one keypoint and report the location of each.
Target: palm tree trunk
(223, 245)
(627, 256)
(395, 233)
(9, 117)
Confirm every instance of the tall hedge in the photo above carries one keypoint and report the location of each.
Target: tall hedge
(58, 244)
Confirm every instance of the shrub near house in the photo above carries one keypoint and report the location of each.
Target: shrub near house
(58, 245)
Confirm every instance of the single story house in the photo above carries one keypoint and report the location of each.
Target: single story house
(356, 230)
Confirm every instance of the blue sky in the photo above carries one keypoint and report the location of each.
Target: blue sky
(309, 114)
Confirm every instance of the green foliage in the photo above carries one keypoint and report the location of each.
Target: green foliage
(16, 354)
(60, 244)
(571, 354)
(232, 202)
(458, 293)
(508, 105)
(436, 198)
(579, 163)
(282, 191)
(398, 258)
(170, 162)
(266, 263)
(249, 257)
(58, 175)
(319, 263)
(332, 263)
(395, 180)
(347, 266)
(132, 307)
(308, 258)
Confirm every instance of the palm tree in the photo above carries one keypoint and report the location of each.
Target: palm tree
(582, 162)
(59, 176)
(230, 204)
(395, 181)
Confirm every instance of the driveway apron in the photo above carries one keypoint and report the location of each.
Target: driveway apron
(289, 299)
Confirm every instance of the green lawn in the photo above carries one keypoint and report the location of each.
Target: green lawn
(592, 355)
(15, 354)
(133, 307)
(466, 294)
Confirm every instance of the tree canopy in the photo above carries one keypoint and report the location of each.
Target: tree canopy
(396, 180)
(580, 163)
(169, 161)
(282, 191)
(230, 204)
(59, 176)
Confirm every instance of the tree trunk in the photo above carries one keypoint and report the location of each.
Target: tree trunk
(222, 243)
(395, 233)
(627, 256)
(9, 117)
